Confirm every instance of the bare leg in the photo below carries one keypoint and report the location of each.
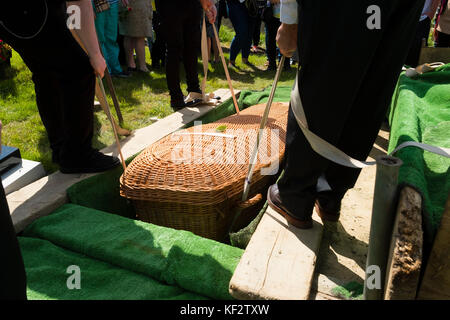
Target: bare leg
(129, 44)
(140, 53)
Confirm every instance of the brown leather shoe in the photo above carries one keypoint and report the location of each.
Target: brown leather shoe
(326, 215)
(273, 197)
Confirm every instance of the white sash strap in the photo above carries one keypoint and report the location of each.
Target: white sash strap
(330, 152)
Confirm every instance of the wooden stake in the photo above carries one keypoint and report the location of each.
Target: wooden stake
(225, 68)
(108, 113)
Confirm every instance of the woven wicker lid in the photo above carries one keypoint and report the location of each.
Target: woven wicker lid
(206, 164)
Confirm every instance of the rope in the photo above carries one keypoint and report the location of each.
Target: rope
(332, 153)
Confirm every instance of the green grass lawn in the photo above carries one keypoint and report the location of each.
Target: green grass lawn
(141, 97)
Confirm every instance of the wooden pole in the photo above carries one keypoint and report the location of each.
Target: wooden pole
(254, 154)
(103, 102)
(227, 74)
(112, 91)
(111, 119)
(383, 214)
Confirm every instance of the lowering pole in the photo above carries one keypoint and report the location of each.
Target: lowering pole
(227, 74)
(383, 215)
(254, 154)
(111, 119)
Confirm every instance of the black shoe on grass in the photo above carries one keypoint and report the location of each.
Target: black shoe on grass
(95, 162)
(123, 74)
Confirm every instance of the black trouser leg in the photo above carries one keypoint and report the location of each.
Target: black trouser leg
(78, 117)
(13, 284)
(257, 32)
(423, 30)
(173, 32)
(65, 105)
(159, 47)
(181, 25)
(192, 39)
(443, 40)
(345, 90)
(48, 99)
(222, 13)
(271, 45)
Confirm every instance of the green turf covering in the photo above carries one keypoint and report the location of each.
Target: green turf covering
(101, 192)
(350, 291)
(247, 98)
(46, 265)
(420, 112)
(170, 256)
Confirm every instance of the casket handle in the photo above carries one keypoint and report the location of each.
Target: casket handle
(250, 202)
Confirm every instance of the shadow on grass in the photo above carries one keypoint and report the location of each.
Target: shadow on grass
(8, 86)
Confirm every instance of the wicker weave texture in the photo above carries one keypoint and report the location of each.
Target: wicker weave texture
(201, 166)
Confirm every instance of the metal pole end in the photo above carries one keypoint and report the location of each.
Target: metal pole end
(390, 161)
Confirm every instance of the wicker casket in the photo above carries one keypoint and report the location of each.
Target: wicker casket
(193, 179)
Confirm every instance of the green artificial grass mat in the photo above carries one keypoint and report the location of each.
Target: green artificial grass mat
(102, 192)
(170, 256)
(420, 111)
(350, 291)
(247, 98)
(47, 264)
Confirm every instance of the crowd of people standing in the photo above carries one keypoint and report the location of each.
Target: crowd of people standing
(172, 31)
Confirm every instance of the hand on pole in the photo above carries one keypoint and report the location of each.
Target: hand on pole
(210, 9)
(98, 64)
(287, 39)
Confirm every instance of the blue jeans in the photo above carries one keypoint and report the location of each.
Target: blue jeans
(243, 25)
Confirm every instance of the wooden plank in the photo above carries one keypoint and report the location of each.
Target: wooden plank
(430, 54)
(40, 198)
(142, 138)
(436, 281)
(47, 194)
(279, 261)
(405, 256)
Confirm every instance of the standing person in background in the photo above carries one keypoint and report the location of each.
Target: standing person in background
(256, 37)
(243, 25)
(442, 32)
(272, 21)
(211, 39)
(344, 108)
(423, 31)
(106, 24)
(181, 21)
(158, 51)
(135, 25)
(181, 27)
(222, 12)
